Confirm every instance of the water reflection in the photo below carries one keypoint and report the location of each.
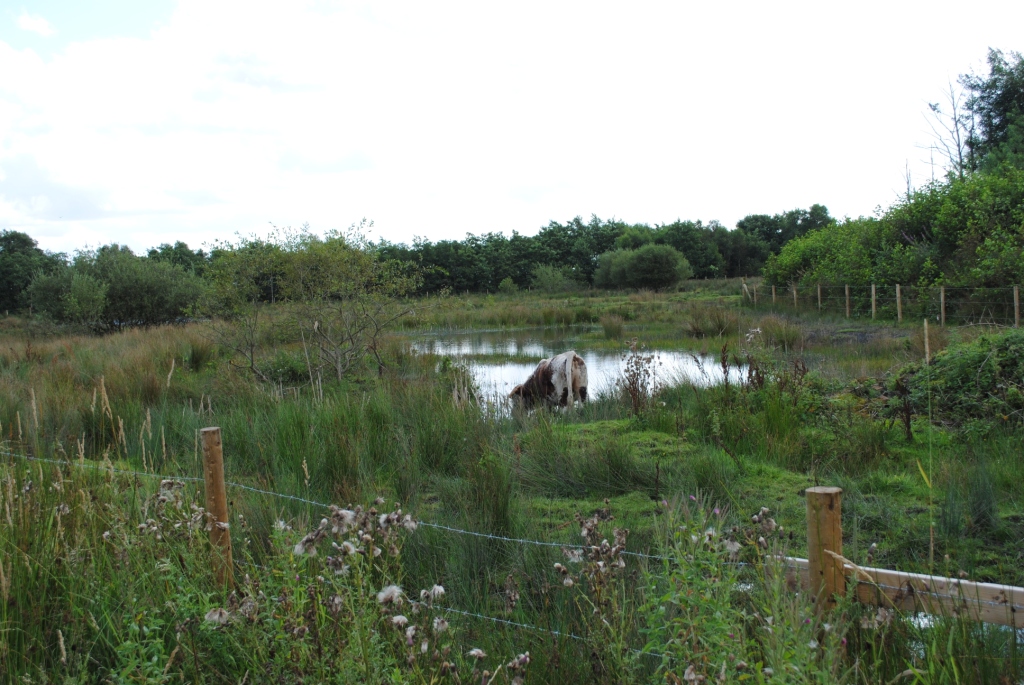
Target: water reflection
(604, 368)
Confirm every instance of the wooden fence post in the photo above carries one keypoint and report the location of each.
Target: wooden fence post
(942, 305)
(899, 304)
(872, 300)
(794, 296)
(217, 506)
(825, 533)
(819, 298)
(773, 295)
(847, 301)
(755, 295)
(1016, 306)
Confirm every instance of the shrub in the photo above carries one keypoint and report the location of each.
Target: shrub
(656, 267)
(508, 286)
(981, 380)
(550, 279)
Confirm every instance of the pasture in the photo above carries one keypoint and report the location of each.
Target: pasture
(106, 576)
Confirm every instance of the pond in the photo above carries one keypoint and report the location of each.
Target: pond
(500, 360)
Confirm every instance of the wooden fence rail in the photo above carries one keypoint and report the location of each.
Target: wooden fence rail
(826, 572)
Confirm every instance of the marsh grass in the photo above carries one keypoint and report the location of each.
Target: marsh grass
(613, 326)
(400, 433)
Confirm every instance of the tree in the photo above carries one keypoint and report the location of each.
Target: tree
(20, 261)
(181, 255)
(996, 103)
(777, 230)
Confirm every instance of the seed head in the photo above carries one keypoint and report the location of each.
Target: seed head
(392, 594)
(218, 616)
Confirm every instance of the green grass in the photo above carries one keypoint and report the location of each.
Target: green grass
(401, 436)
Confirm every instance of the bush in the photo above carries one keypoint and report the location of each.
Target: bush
(508, 286)
(981, 380)
(655, 267)
(549, 279)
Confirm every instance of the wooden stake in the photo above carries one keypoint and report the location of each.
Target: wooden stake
(1016, 306)
(872, 300)
(794, 296)
(217, 506)
(847, 301)
(899, 304)
(927, 349)
(819, 297)
(942, 305)
(755, 295)
(825, 533)
(773, 295)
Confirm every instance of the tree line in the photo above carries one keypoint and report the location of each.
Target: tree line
(111, 287)
(963, 230)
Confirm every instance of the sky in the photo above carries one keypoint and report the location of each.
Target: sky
(149, 122)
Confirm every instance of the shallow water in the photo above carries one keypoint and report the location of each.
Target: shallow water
(604, 367)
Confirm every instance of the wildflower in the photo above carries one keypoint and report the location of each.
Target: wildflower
(281, 526)
(574, 556)
(440, 625)
(568, 581)
(300, 632)
(519, 662)
(717, 511)
(63, 508)
(410, 633)
(768, 672)
(106, 535)
(423, 647)
(348, 548)
(692, 498)
(762, 542)
(218, 616)
(399, 621)
(740, 665)
(390, 594)
(477, 653)
(561, 569)
(335, 604)
(733, 548)
(813, 644)
(436, 592)
(691, 674)
(247, 607)
(409, 523)
(379, 501)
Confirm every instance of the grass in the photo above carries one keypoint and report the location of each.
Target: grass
(814, 408)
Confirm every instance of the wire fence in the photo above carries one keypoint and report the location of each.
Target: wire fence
(943, 305)
(791, 564)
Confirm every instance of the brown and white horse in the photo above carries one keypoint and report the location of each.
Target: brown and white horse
(558, 382)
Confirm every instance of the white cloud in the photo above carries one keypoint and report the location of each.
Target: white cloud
(438, 119)
(34, 24)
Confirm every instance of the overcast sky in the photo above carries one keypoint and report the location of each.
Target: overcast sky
(149, 122)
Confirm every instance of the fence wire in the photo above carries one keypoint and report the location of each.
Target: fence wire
(270, 493)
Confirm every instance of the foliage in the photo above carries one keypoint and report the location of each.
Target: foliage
(111, 288)
(983, 379)
(549, 279)
(651, 266)
(961, 232)
(996, 103)
(20, 261)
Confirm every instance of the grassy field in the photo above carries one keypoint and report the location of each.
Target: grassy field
(106, 577)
